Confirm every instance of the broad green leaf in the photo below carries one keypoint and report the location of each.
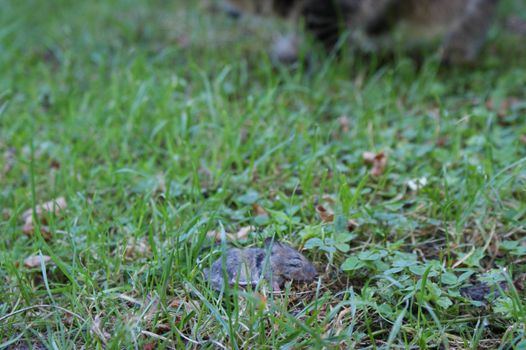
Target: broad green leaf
(352, 263)
(249, 198)
(444, 302)
(449, 278)
(369, 255)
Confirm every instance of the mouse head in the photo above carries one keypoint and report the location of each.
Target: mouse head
(289, 263)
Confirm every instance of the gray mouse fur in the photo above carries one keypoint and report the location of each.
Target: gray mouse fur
(277, 262)
(373, 24)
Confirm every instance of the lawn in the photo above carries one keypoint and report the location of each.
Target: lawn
(159, 124)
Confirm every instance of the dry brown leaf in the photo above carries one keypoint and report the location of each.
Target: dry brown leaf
(378, 161)
(29, 229)
(54, 164)
(153, 310)
(325, 214)
(99, 331)
(34, 260)
(6, 214)
(53, 206)
(150, 346)
(327, 198)
(68, 319)
(9, 160)
(174, 303)
(344, 123)
(163, 328)
(368, 157)
(441, 141)
(503, 108)
(188, 306)
(259, 210)
(214, 234)
(241, 234)
(137, 248)
(340, 325)
(520, 282)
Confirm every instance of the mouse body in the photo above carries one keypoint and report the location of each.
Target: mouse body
(277, 263)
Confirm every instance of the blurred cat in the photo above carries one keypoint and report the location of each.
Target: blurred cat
(463, 24)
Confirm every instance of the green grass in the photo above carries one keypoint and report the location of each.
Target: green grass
(167, 120)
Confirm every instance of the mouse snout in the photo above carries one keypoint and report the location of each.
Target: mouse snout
(311, 272)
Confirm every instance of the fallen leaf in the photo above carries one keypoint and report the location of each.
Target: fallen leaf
(327, 198)
(68, 319)
(344, 123)
(325, 214)
(163, 328)
(368, 157)
(54, 164)
(150, 346)
(153, 310)
(174, 303)
(34, 260)
(29, 229)
(7, 214)
(241, 234)
(96, 328)
(520, 282)
(9, 160)
(187, 306)
(214, 234)
(503, 107)
(53, 206)
(340, 325)
(378, 161)
(137, 248)
(441, 141)
(259, 210)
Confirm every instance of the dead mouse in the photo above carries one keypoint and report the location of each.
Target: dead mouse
(248, 266)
